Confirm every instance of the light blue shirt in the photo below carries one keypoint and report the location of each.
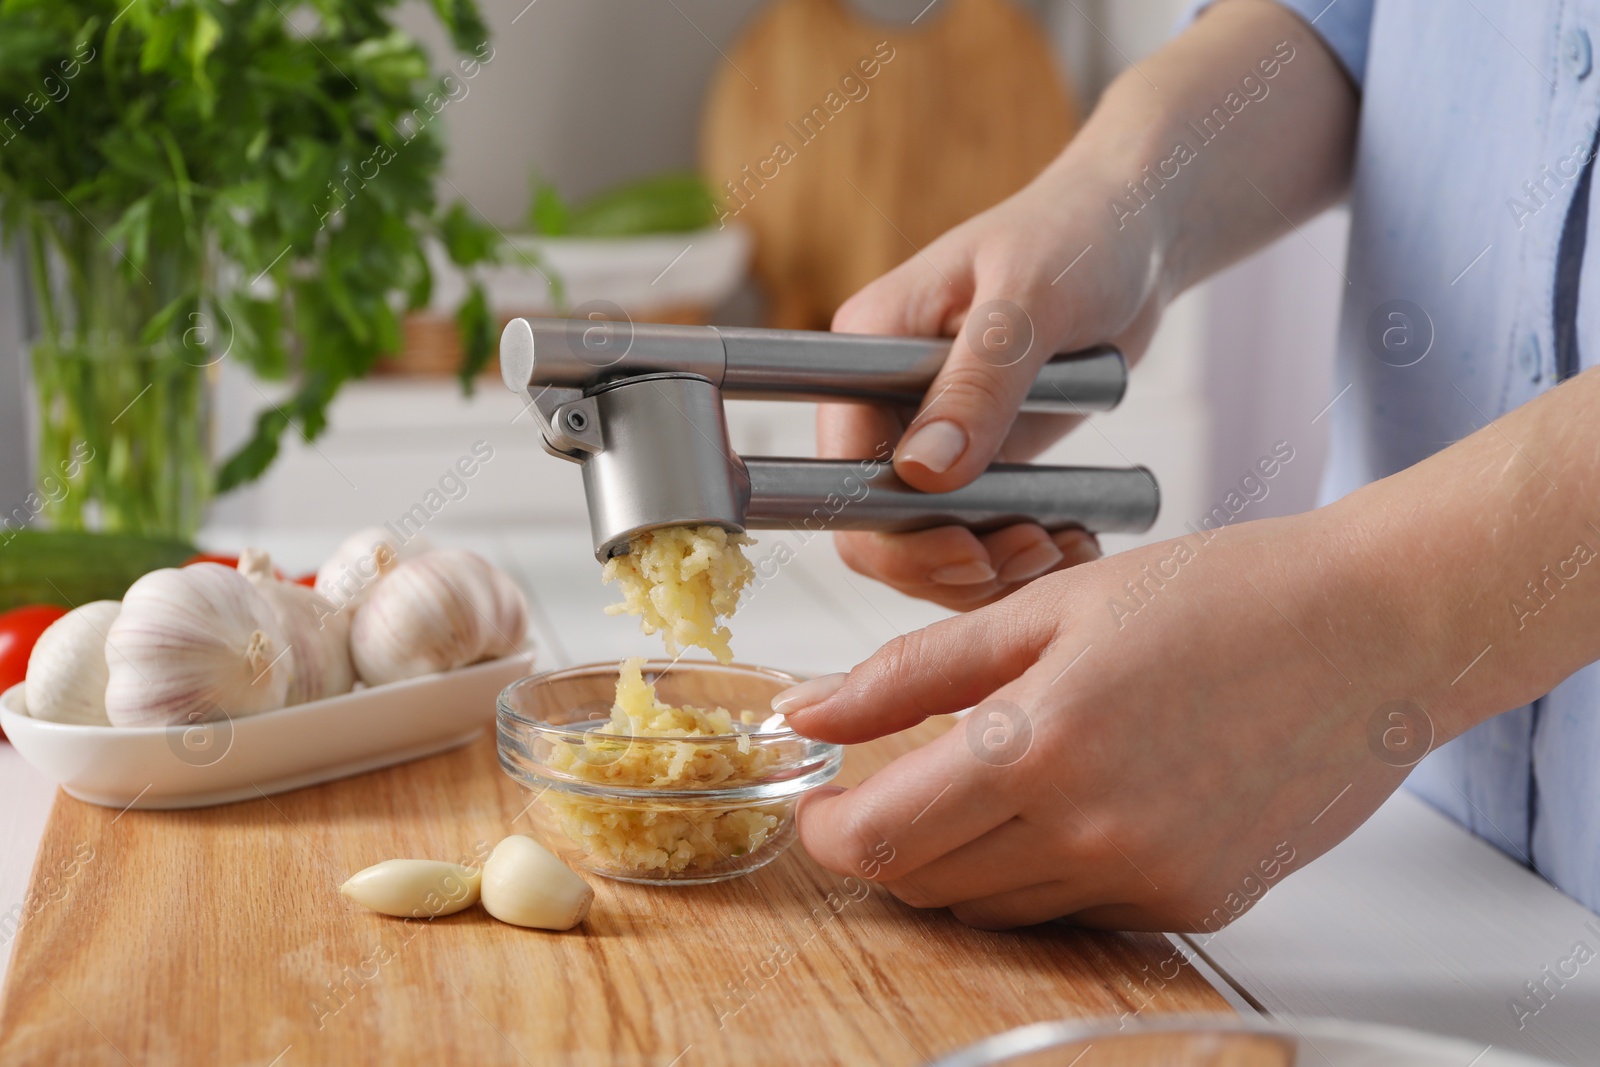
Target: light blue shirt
(1476, 122)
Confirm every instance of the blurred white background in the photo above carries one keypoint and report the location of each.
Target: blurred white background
(592, 93)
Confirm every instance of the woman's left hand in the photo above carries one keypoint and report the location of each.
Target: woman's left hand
(1158, 736)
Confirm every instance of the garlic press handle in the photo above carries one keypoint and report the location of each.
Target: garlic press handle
(868, 495)
(758, 364)
(811, 365)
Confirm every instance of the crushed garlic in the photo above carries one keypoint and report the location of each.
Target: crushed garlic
(682, 581)
(670, 839)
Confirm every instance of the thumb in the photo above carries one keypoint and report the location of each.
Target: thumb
(969, 408)
(952, 665)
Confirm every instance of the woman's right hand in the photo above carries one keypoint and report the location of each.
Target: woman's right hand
(1048, 270)
(1060, 261)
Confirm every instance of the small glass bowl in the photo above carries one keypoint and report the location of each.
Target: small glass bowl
(624, 807)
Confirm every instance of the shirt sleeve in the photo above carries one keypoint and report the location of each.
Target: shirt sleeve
(1343, 25)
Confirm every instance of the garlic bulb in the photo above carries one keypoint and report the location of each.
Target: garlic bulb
(436, 612)
(67, 670)
(192, 645)
(318, 632)
(525, 884)
(349, 575)
(421, 889)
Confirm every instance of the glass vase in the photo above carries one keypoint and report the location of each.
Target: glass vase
(121, 362)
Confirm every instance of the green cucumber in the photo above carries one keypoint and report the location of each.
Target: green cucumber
(72, 568)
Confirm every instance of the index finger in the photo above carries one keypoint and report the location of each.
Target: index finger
(857, 431)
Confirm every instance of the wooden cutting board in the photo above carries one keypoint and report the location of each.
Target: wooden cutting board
(219, 937)
(848, 144)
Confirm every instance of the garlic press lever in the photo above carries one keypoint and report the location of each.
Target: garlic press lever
(639, 407)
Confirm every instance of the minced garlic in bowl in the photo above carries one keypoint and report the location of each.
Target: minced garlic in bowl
(683, 581)
(661, 782)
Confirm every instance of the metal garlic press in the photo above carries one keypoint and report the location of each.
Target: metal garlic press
(639, 407)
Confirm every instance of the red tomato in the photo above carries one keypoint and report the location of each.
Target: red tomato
(231, 562)
(19, 630)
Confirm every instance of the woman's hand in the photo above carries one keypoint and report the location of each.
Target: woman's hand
(1044, 272)
(1089, 252)
(1158, 736)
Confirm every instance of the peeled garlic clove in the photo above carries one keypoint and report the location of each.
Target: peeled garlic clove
(67, 669)
(437, 612)
(351, 573)
(420, 889)
(318, 631)
(193, 645)
(525, 884)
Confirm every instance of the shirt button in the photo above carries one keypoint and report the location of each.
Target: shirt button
(1529, 360)
(1576, 53)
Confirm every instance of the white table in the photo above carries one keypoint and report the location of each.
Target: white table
(1412, 921)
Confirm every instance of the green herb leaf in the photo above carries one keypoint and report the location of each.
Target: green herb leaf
(269, 164)
(547, 212)
(257, 454)
(466, 239)
(477, 335)
(131, 232)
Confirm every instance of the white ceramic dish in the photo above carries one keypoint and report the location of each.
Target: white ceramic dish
(701, 268)
(275, 751)
(1316, 1043)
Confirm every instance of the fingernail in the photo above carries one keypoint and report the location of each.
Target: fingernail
(1083, 548)
(971, 572)
(1030, 563)
(822, 792)
(809, 692)
(936, 446)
